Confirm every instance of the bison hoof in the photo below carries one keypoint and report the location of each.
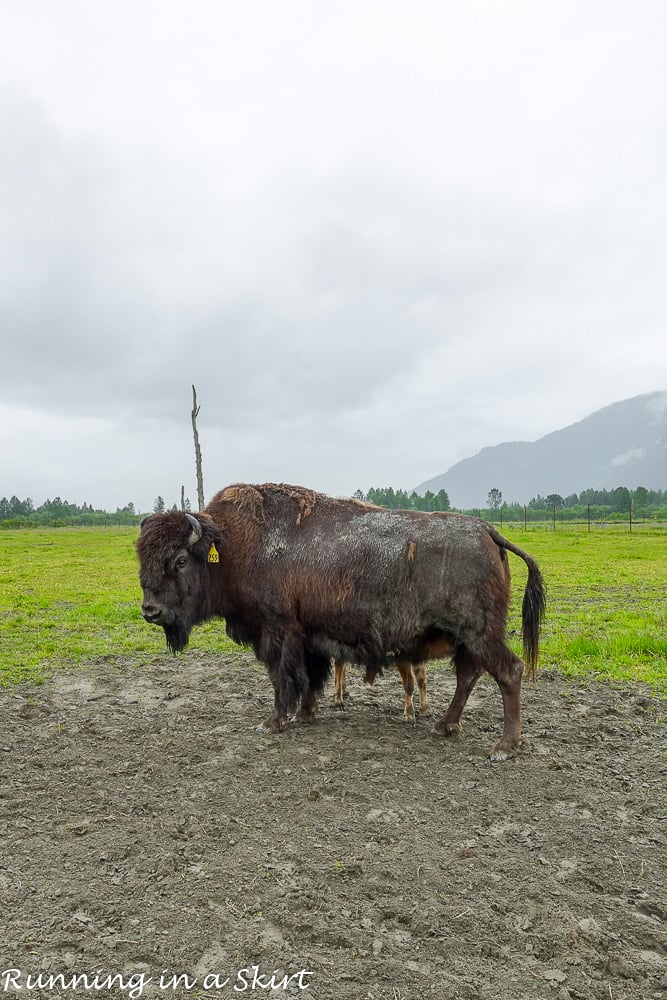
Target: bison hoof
(339, 706)
(271, 725)
(444, 728)
(507, 748)
(425, 712)
(305, 715)
(410, 717)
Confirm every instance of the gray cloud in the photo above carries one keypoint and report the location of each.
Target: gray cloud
(376, 240)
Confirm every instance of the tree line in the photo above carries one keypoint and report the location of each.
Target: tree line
(58, 513)
(401, 500)
(599, 505)
(617, 499)
(596, 504)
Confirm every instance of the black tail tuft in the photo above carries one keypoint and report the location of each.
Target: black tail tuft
(534, 601)
(532, 613)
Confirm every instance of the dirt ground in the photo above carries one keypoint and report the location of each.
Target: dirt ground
(148, 832)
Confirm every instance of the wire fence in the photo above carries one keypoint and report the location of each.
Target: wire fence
(561, 520)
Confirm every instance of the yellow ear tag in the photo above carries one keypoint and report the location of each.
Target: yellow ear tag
(213, 555)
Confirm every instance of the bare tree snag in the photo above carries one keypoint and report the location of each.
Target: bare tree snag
(200, 478)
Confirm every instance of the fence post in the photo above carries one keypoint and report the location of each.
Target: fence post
(553, 517)
(630, 516)
(525, 518)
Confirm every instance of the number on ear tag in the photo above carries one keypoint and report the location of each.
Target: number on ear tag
(213, 554)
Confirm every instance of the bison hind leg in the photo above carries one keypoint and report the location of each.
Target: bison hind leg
(469, 669)
(507, 671)
(506, 748)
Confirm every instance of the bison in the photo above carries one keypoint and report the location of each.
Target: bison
(305, 579)
(409, 675)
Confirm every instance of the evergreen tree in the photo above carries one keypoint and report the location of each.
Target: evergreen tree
(441, 500)
(621, 498)
(494, 499)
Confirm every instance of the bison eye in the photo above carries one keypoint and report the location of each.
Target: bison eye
(181, 562)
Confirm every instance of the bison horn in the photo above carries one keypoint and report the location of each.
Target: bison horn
(143, 521)
(195, 534)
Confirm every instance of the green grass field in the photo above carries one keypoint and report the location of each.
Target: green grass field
(70, 596)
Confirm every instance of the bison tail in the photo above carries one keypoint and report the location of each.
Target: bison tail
(532, 613)
(534, 601)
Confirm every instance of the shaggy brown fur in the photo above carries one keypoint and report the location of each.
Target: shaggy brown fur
(304, 579)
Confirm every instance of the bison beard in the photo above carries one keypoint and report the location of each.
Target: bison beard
(305, 579)
(177, 635)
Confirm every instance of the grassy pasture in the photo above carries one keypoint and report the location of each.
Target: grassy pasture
(69, 596)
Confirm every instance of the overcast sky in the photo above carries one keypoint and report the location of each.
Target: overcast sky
(377, 236)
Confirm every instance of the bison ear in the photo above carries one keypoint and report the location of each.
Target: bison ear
(143, 522)
(196, 532)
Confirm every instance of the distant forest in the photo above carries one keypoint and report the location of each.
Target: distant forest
(59, 513)
(599, 505)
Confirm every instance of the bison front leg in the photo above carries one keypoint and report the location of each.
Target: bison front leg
(307, 710)
(317, 669)
(404, 668)
(340, 686)
(287, 671)
(274, 724)
(420, 677)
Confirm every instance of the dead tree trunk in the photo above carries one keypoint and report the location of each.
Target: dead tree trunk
(200, 477)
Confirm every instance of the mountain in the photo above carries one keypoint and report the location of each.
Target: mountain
(624, 444)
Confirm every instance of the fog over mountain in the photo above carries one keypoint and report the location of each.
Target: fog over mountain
(624, 444)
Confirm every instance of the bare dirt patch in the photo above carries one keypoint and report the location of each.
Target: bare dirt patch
(148, 831)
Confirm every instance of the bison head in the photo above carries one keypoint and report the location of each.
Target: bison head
(174, 572)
